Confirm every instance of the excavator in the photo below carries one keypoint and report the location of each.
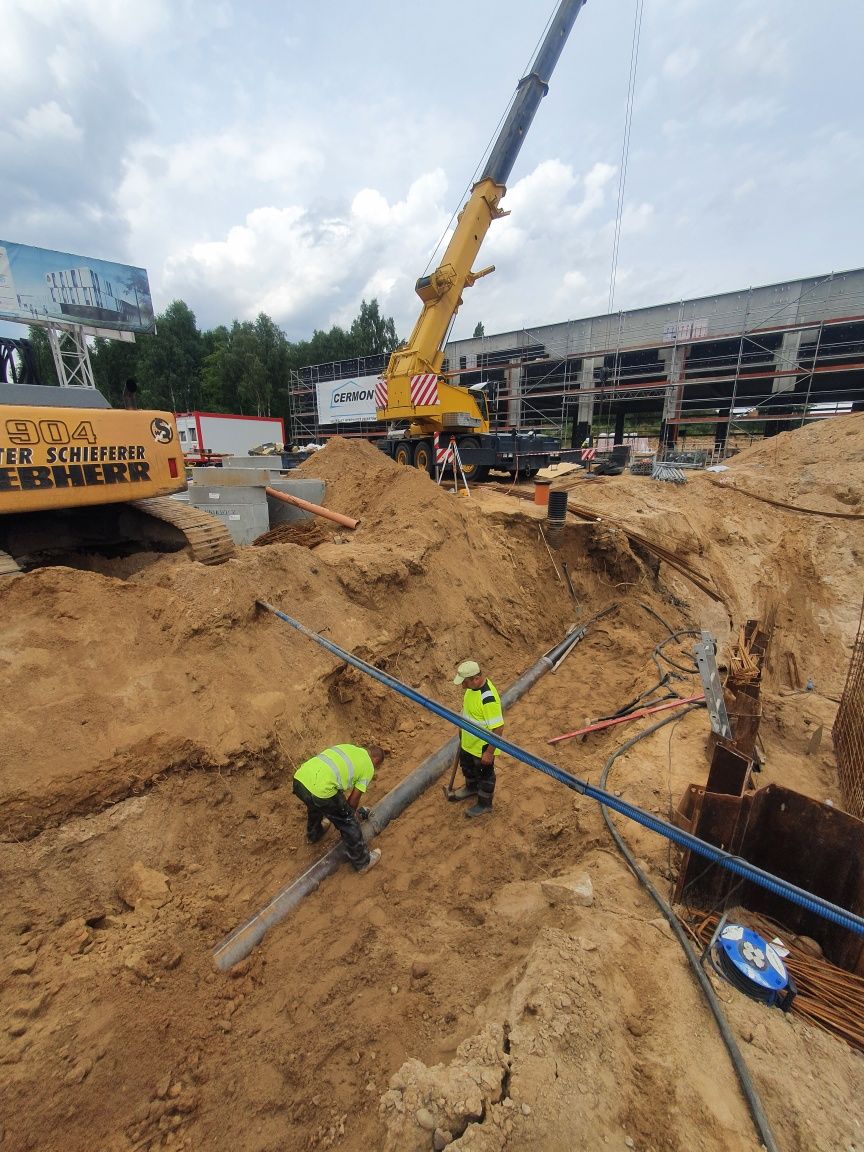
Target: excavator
(427, 414)
(78, 476)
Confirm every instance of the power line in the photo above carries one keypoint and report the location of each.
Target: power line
(625, 148)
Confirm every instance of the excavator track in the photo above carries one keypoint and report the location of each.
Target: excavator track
(209, 539)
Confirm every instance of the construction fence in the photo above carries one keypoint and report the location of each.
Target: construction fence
(849, 730)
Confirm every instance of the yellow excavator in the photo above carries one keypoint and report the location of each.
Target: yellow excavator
(424, 411)
(78, 476)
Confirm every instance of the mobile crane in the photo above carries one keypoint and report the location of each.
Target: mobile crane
(424, 409)
(77, 475)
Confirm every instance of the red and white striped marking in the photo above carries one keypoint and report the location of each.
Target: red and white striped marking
(424, 390)
(443, 456)
(589, 453)
(381, 393)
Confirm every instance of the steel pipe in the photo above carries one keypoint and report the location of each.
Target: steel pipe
(239, 943)
(736, 864)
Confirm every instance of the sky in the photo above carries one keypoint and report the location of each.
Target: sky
(297, 158)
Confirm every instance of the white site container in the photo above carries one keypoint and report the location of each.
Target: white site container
(202, 432)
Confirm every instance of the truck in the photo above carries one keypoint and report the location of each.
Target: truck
(426, 414)
(77, 475)
(205, 437)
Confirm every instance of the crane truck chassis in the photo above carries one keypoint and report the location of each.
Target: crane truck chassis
(521, 454)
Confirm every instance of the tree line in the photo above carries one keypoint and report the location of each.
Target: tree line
(245, 369)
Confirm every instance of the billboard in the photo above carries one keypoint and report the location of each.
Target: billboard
(350, 399)
(37, 284)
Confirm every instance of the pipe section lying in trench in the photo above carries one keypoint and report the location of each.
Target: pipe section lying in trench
(237, 946)
(736, 864)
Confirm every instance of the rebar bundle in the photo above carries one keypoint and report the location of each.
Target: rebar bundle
(849, 730)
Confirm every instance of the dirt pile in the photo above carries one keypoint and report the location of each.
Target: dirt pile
(151, 719)
(174, 667)
(819, 467)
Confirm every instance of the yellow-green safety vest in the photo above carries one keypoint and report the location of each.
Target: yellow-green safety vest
(337, 769)
(482, 706)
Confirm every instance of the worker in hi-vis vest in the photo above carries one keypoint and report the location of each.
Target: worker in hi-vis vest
(331, 786)
(482, 706)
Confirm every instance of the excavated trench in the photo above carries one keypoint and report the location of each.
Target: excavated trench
(200, 710)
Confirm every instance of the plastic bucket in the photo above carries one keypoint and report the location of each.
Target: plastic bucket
(557, 507)
(541, 492)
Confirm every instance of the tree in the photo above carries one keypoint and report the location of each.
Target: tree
(246, 369)
(169, 362)
(479, 330)
(113, 362)
(42, 355)
(217, 392)
(371, 334)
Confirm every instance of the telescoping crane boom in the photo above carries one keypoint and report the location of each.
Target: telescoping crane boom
(411, 388)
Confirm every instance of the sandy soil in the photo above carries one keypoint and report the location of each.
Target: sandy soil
(151, 721)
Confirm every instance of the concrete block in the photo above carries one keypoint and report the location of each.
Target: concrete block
(269, 463)
(200, 494)
(243, 511)
(231, 477)
(281, 513)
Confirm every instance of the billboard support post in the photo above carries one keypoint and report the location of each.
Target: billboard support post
(72, 358)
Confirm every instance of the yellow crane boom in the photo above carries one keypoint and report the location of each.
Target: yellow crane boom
(412, 388)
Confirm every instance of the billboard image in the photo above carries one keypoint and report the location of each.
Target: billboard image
(351, 399)
(39, 284)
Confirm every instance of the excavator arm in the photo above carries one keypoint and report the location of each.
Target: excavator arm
(411, 386)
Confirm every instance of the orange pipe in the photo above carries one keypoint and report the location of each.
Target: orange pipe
(336, 517)
(541, 492)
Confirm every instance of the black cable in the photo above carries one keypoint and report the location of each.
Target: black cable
(754, 1102)
(658, 651)
(657, 616)
(633, 704)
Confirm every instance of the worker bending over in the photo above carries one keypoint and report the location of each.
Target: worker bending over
(482, 706)
(331, 786)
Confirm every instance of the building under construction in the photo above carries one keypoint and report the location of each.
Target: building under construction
(758, 360)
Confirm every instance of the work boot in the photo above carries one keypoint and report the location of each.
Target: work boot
(465, 793)
(479, 809)
(374, 857)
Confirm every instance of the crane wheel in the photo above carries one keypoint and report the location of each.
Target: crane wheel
(403, 455)
(423, 457)
(474, 472)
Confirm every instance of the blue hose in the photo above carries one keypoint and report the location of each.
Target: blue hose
(775, 884)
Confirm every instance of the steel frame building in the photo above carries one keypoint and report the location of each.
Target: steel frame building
(761, 359)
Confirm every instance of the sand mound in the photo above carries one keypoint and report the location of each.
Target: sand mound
(819, 467)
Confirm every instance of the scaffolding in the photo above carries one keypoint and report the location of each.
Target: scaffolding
(849, 730)
(755, 362)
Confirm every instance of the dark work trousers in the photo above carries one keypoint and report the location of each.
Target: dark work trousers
(341, 815)
(478, 775)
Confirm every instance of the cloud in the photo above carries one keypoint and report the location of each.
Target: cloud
(762, 49)
(48, 124)
(681, 62)
(71, 112)
(308, 269)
